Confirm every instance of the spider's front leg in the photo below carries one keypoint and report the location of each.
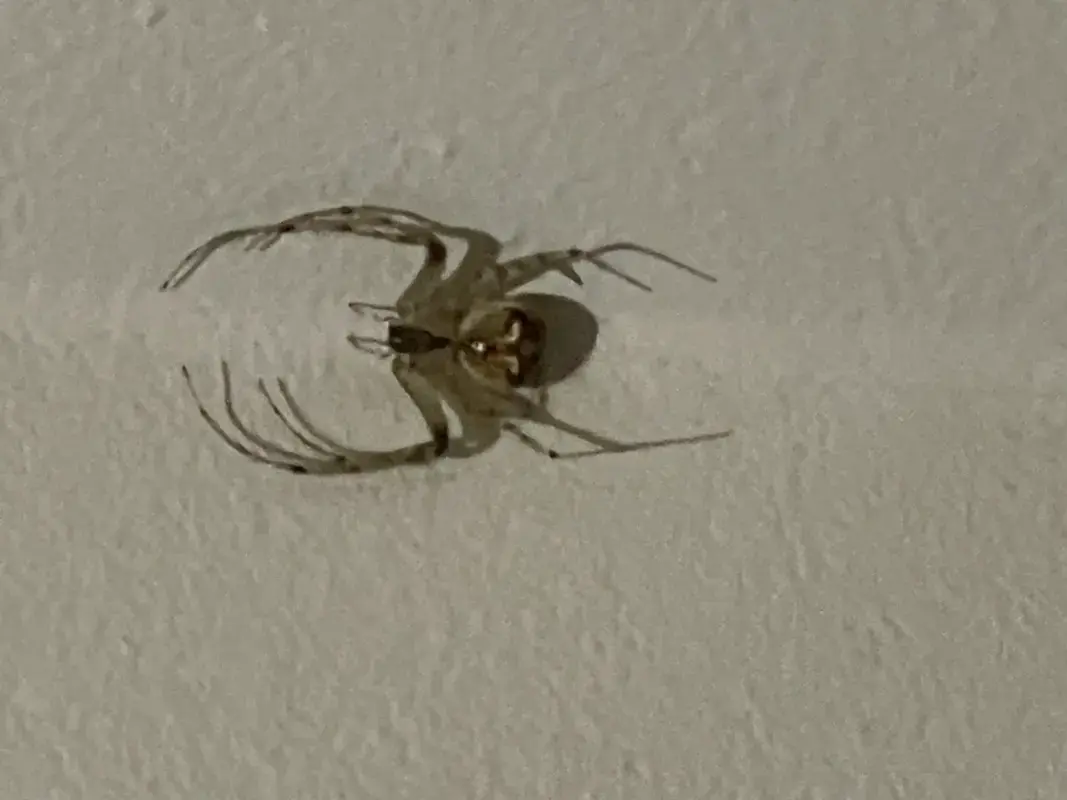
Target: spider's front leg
(479, 261)
(413, 379)
(335, 457)
(343, 219)
(425, 400)
(480, 271)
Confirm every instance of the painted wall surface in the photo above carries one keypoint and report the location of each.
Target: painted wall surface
(860, 594)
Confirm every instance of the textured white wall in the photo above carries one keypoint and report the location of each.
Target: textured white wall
(861, 594)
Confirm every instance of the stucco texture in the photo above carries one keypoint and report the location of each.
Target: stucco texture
(859, 595)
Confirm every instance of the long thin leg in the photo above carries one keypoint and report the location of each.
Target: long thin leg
(650, 445)
(483, 256)
(518, 272)
(528, 440)
(194, 258)
(383, 213)
(426, 280)
(303, 438)
(648, 251)
(479, 272)
(502, 278)
(482, 253)
(537, 411)
(344, 461)
(359, 305)
(478, 432)
(420, 389)
(249, 434)
(603, 444)
(417, 389)
(263, 237)
(370, 345)
(233, 443)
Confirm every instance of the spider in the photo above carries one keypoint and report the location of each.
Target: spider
(465, 340)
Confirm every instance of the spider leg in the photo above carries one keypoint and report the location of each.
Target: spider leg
(412, 375)
(263, 237)
(425, 400)
(649, 445)
(304, 439)
(300, 466)
(249, 434)
(479, 271)
(366, 219)
(194, 258)
(338, 460)
(379, 225)
(427, 279)
(359, 306)
(481, 248)
(380, 213)
(603, 444)
(478, 431)
(537, 411)
(528, 440)
(481, 254)
(372, 229)
(365, 344)
(648, 251)
(516, 273)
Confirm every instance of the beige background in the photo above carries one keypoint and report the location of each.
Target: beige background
(861, 594)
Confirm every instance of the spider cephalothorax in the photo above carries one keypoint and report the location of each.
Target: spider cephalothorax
(503, 339)
(461, 339)
(498, 339)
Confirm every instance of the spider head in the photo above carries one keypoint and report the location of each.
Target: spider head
(409, 340)
(505, 341)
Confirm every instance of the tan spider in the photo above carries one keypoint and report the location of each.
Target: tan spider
(463, 339)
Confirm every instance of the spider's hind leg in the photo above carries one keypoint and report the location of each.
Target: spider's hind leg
(537, 411)
(368, 460)
(508, 276)
(417, 389)
(518, 272)
(528, 440)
